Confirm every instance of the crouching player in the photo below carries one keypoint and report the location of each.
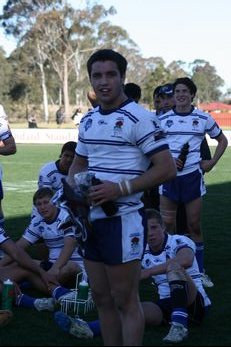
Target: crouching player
(171, 263)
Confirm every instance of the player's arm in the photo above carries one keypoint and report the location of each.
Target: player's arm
(79, 164)
(8, 146)
(207, 165)
(184, 258)
(65, 255)
(8, 259)
(163, 169)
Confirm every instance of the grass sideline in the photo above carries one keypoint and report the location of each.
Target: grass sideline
(32, 328)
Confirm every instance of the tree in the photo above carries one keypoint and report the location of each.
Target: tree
(207, 81)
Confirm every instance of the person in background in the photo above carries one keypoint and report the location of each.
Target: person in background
(184, 124)
(117, 141)
(7, 147)
(92, 99)
(77, 115)
(64, 261)
(170, 262)
(133, 91)
(60, 115)
(162, 101)
(52, 173)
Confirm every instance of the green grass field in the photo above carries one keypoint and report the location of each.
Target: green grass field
(30, 327)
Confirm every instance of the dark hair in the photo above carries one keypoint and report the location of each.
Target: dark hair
(107, 54)
(133, 91)
(42, 193)
(186, 81)
(69, 146)
(156, 91)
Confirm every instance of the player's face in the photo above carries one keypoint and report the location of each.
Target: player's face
(167, 103)
(183, 96)
(107, 84)
(156, 234)
(45, 208)
(66, 160)
(157, 102)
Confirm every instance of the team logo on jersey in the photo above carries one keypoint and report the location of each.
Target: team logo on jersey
(169, 123)
(156, 125)
(101, 122)
(88, 124)
(118, 127)
(135, 245)
(148, 263)
(195, 124)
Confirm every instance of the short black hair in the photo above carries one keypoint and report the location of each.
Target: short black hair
(108, 54)
(156, 91)
(69, 146)
(186, 81)
(133, 91)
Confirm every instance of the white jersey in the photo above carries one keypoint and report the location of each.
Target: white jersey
(52, 236)
(191, 128)
(5, 132)
(172, 244)
(117, 145)
(3, 236)
(3, 114)
(50, 176)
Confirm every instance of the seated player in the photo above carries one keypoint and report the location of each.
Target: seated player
(170, 261)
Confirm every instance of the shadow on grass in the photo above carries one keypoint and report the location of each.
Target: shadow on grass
(38, 328)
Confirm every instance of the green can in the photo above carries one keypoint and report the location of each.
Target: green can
(7, 295)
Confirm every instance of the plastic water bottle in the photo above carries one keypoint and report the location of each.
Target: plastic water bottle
(83, 288)
(7, 295)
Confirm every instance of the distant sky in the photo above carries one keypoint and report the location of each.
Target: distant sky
(173, 29)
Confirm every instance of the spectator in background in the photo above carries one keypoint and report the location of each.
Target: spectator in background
(186, 124)
(77, 115)
(60, 115)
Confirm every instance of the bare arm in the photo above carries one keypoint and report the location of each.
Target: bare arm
(184, 258)
(8, 259)
(207, 165)
(65, 255)
(79, 164)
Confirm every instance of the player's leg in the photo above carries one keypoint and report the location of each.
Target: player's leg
(168, 210)
(108, 314)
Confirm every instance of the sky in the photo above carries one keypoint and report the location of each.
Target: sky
(174, 30)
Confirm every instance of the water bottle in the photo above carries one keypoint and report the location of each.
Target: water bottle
(7, 295)
(183, 155)
(83, 289)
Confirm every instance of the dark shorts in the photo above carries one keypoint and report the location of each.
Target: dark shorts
(196, 311)
(1, 191)
(118, 239)
(184, 188)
